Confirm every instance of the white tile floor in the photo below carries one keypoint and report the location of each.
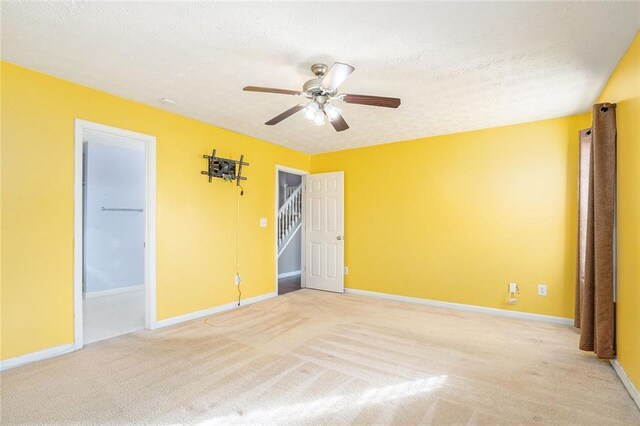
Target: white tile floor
(113, 315)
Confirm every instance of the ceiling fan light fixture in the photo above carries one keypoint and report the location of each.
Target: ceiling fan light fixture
(332, 111)
(319, 91)
(311, 111)
(319, 119)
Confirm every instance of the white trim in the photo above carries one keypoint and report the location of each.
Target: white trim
(36, 356)
(291, 170)
(290, 274)
(210, 311)
(109, 292)
(298, 172)
(150, 234)
(113, 140)
(463, 307)
(626, 381)
(150, 221)
(71, 347)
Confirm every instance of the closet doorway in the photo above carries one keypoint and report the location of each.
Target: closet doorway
(114, 232)
(289, 228)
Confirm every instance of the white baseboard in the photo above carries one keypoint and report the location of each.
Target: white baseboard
(210, 311)
(289, 274)
(36, 356)
(463, 307)
(111, 291)
(70, 347)
(626, 381)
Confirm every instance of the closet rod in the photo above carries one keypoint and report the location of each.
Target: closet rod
(104, 209)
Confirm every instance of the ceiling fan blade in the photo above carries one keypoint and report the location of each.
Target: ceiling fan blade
(380, 101)
(339, 124)
(270, 90)
(336, 75)
(286, 114)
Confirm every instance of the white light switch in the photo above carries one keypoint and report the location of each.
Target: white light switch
(263, 222)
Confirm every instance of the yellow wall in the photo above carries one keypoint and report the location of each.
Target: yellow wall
(452, 218)
(195, 219)
(456, 218)
(624, 89)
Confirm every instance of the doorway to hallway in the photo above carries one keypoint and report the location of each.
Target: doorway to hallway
(289, 229)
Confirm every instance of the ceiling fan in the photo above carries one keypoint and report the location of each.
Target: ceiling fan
(322, 91)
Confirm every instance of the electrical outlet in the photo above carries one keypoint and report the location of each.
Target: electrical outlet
(346, 270)
(263, 222)
(237, 279)
(542, 289)
(513, 288)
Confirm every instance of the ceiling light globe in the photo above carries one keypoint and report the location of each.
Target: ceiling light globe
(332, 111)
(311, 111)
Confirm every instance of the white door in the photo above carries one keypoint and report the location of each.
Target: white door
(324, 231)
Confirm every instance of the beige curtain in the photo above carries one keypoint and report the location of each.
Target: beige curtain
(594, 313)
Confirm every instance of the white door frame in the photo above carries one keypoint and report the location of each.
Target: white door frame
(301, 173)
(150, 222)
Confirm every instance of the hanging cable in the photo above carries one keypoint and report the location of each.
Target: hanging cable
(237, 278)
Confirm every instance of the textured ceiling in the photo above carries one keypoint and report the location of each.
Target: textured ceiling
(456, 66)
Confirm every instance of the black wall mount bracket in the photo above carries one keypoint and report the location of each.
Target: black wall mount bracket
(224, 168)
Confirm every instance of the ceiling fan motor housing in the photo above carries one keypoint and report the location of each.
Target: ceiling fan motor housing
(314, 87)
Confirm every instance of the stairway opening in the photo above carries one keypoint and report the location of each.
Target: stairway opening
(289, 223)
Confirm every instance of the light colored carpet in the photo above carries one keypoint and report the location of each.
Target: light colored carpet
(322, 358)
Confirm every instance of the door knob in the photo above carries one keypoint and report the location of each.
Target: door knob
(338, 238)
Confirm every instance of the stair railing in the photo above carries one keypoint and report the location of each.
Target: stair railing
(289, 215)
